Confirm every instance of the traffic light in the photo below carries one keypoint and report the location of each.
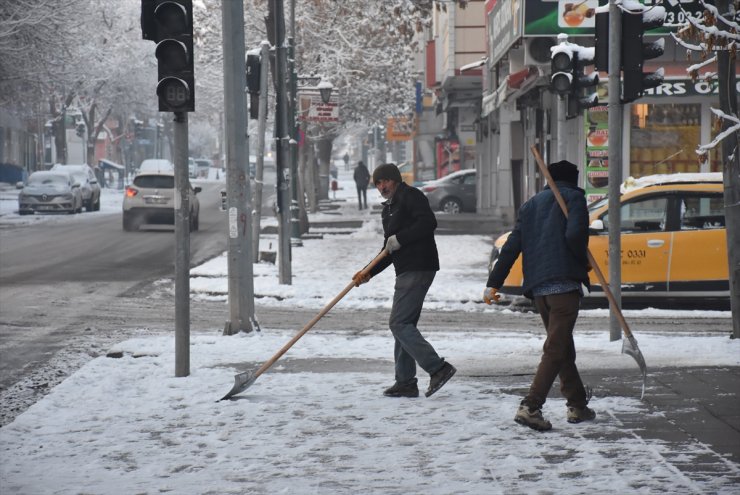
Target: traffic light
(635, 51)
(568, 78)
(254, 66)
(169, 23)
(80, 129)
(601, 42)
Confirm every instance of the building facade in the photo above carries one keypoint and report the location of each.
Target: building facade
(483, 100)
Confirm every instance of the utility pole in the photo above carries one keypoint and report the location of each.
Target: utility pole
(260, 166)
(239, 204)
(282, 138)
(615, 121)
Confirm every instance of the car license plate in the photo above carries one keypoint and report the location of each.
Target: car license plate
(156, 200)
(45, 207)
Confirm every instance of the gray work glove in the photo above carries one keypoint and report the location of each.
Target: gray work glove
(392, 244)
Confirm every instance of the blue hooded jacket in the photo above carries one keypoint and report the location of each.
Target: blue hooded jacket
(552, 247)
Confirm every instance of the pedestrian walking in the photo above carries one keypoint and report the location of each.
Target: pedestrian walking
(362, 179)
(408, 228)
(555, 264)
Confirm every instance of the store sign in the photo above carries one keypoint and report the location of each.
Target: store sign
(687, 87)
(550, 17)
(504, 27)
(399, 129)
(312, 109)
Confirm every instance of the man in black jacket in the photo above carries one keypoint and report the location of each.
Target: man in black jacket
(362, 180)
(555, 264)
(408, 226)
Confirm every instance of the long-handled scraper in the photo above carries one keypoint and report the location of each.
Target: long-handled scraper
(629, 345)
(244, 380)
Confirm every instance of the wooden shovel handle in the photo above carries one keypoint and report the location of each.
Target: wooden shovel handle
(316, 318)
(591, 260)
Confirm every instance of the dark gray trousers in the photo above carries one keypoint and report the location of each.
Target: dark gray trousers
(410, 346)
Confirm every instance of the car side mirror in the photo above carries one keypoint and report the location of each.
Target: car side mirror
(19, 185)
(76, 184)
(93, 181)
(597, 226)
(197, 189)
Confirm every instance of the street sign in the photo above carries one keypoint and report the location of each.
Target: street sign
(312, 109)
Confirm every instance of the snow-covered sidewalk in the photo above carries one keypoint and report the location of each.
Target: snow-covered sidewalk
(318, 423)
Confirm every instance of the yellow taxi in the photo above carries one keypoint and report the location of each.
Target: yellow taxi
(673, 237)
(407, 172)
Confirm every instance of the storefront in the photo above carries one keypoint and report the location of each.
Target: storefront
(661, 134)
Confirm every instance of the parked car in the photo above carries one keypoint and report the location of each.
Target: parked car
(88, 184)
(150, 199)
(673, 236)
(203, 167)
(50, 191)
(156, 165)
(453, 193)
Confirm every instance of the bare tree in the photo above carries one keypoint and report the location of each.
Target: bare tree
(715, 37)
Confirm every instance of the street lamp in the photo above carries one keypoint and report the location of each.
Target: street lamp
(325, 88)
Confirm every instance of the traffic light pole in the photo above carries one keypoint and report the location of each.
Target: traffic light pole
(182, 247)
(260, 152)
(562, 108)
(295, 221)
(282, 137)
(239, 203)
(169, 24)
(616, 112)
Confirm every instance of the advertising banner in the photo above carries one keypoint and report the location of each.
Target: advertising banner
(596, 180)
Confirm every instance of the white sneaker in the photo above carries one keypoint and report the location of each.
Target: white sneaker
(533, 419)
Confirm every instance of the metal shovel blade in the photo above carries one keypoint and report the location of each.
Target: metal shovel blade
(242, 381)
(629, 347)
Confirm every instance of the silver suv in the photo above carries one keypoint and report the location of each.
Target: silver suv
(150, 199)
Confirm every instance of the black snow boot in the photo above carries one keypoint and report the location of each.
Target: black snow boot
(440, 378)
(403, 390)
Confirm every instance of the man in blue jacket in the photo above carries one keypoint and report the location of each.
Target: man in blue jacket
(555, 264)
(408, 226)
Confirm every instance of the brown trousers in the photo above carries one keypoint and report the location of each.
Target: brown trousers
(559, 313)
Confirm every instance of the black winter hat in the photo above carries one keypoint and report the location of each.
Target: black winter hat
(564, 171)
(386, 171)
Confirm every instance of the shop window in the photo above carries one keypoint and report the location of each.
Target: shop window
(664, 138)
(715, 155)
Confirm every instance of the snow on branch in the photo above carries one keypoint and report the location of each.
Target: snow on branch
(703, 149)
